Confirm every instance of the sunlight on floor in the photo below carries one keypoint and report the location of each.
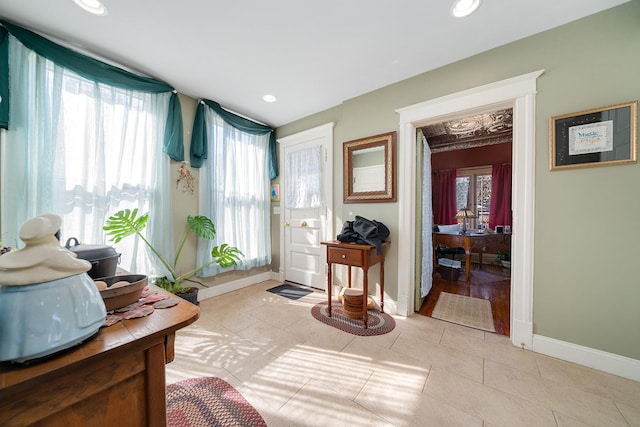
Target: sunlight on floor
(297, 371)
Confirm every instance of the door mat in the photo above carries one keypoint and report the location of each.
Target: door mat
(209, 401)
(289, 291)
(378, 323)
(473, 312)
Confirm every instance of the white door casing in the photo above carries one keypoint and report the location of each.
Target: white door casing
(518, 93)
(302, 258)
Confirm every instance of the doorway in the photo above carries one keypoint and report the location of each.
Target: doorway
(306, 205)
(470, 162)
(517, 93)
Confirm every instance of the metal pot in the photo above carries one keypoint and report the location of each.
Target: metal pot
(104, 259)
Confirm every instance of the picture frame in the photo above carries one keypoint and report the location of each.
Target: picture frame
(275, 192)
(597, 137)
(369, 171)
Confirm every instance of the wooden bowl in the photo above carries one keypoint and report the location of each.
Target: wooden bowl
(124, 295)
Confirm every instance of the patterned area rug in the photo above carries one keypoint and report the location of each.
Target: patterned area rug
(378, 323)
(463, 310)
(209, 402)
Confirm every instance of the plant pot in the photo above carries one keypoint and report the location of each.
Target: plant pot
(506, 264)
(189, 294)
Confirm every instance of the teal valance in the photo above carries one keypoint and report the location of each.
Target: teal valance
(96, 71)
(199, 143)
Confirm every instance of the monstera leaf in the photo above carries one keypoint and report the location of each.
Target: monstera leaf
(202, 226)
(125, 223)
(225, 255)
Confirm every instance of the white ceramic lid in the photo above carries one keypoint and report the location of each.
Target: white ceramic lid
(42, 259)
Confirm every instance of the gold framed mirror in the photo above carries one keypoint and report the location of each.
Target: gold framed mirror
(369, 169)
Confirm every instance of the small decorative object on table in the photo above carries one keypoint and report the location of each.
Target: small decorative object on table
(48, 303)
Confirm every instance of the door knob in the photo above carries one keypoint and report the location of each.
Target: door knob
(303, 224)
(286, 224)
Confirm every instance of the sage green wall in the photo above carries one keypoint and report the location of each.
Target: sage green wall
(585, 286)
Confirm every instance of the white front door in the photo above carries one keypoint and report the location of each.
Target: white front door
(304, 256)
(303, 227)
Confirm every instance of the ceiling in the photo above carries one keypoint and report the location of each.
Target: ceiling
(470, 131)
(312, 55)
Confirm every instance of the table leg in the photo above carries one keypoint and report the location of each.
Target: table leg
(365, 299)
(468, 265)
(382, 285)
(329, 285)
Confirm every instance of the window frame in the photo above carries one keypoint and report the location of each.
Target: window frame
(473, 173)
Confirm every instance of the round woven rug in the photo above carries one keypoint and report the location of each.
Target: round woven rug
(208, 402)
(378, 323)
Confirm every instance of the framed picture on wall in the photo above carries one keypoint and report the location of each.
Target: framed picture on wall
(275, 193)
(597, 137)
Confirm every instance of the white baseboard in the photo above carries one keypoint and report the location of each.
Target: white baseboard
(390, 306)
(214, 291)
(277, 275)
(522, 334)
(592, 358)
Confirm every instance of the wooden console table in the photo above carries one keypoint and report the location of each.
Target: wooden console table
(117, 378)
(356, 255)
(470, 242)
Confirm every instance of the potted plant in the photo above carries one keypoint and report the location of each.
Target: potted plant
(127, 222)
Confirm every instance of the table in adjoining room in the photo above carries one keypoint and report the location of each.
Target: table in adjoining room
(471, 243)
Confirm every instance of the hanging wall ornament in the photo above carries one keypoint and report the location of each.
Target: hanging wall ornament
(185, 178)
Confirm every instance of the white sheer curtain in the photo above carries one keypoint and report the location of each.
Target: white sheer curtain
(235, 194)
(306, 190)
(427, 222)
(84, 150)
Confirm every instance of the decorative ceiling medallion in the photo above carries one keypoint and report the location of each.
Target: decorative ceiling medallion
(471, 131)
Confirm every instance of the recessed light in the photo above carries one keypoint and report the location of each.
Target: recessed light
(462, 8)
(92, 6)
(269, 98)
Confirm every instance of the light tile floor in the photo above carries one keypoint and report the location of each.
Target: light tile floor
(297, 371)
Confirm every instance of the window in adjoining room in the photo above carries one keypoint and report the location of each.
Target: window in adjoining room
(473, 190)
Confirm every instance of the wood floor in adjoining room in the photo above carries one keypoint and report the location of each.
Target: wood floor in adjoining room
(492, 283)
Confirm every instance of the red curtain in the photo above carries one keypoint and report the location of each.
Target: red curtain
(500, 213)
(444, 197)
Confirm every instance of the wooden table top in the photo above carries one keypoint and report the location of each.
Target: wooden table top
(154, 327)
(365, 247)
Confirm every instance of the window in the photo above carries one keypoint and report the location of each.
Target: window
(96, 149)
(473, 190)
(235, 194)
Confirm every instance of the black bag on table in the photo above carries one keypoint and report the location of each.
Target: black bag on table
(364, 231)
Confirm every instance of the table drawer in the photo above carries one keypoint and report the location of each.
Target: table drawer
(345, 256)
